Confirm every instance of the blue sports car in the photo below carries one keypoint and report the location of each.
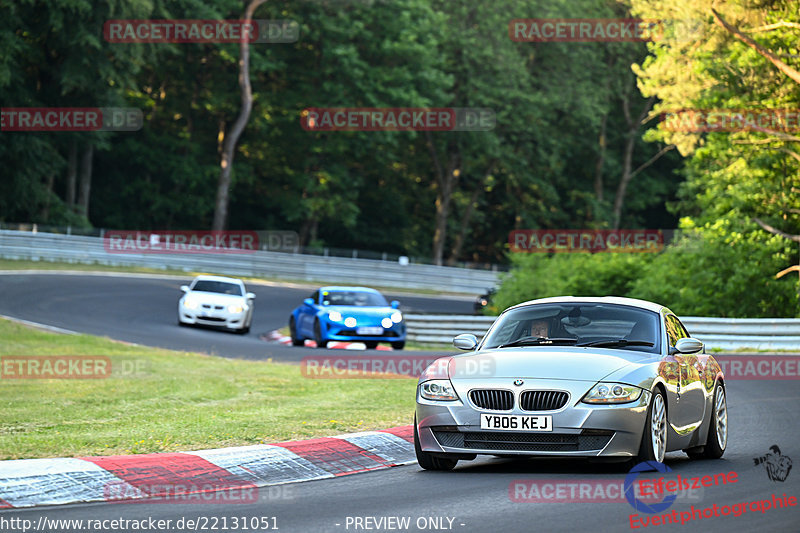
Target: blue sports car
(355, 314)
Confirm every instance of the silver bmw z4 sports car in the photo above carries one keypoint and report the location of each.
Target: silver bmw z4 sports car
(607, 377)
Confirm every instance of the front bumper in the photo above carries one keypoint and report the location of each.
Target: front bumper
(212, 317)
(340, 332)
(579, 429)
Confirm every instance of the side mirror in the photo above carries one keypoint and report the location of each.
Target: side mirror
(250, 296)
(465, 341)
(185, 288)
(309, 302)
(395, 304)
(688, 345)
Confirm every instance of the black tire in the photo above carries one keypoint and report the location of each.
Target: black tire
(318, 335)
(712, 448)
(183, 324)
(646, 452)
(296, 341)
(371, 345)
(429, 461)
(399, 345)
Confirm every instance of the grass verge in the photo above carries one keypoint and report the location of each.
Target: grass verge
(24, 264)
(160, 400)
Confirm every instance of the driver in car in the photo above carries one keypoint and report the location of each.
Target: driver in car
(540, 328)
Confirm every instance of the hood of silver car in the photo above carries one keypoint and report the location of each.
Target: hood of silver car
(589, 364)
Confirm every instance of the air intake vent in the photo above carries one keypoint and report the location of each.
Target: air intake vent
(494, 399)
(543, 400)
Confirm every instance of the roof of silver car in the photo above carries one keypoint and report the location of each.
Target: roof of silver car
(644, 304)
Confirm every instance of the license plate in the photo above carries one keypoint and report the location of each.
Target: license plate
(517, 422)
(366, 330)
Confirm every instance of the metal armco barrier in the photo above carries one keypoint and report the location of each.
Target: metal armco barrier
(89, 250)
(720, 333)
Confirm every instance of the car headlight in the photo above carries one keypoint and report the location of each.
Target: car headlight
(397, 317)
(350, 322)
(387, 323)
(190, 303)
(438, 389)
(335, 316)
(612, 393)
(235, 308)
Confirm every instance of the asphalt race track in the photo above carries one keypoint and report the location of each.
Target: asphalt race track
(476, 494)
(143, 310)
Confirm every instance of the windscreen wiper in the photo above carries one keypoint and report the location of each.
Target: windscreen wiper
(537, 341)
(617, 342)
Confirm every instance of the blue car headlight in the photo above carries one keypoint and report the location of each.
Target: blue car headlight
(335, 316)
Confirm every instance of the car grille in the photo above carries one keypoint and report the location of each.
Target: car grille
(210, 319)
(543, 400)
(494, 399)
(217, 307)
(524, 442)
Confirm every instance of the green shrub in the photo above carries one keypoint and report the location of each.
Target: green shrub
(710, 271)
(579, 274)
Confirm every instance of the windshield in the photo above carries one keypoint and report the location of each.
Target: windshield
(357, 298)
(579, 324)
(220, 287)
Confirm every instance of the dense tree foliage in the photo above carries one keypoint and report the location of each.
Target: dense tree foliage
(737, 55)
(556, 158)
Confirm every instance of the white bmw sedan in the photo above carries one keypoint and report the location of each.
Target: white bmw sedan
(216, 301)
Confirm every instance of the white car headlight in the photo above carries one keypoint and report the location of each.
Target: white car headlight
(438, 389)
(387, 323)
(190, 303)
(335, 316)
(235, 308)
(612, 393)
(350, 322)
(397, 317)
